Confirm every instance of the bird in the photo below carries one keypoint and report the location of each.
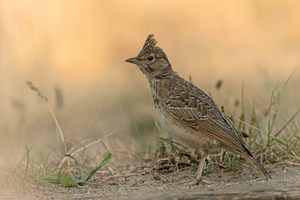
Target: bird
(185, 112)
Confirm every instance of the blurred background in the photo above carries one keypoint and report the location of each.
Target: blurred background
(74, 52)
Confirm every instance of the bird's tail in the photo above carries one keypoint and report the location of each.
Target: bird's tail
(260, 167)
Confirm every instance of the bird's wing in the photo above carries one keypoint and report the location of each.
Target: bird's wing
(193, 107)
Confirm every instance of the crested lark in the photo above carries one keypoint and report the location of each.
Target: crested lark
(185, 112)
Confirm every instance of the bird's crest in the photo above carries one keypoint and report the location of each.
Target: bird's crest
(150, 47)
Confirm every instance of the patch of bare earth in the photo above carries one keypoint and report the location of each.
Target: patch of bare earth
(148, 181)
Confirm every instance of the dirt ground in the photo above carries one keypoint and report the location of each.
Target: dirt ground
(147, 181)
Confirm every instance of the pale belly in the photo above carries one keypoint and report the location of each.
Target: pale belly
(184, 134)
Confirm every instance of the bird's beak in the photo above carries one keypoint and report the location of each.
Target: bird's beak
(133, 60)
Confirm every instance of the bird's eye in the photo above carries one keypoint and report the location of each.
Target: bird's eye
(150, 58)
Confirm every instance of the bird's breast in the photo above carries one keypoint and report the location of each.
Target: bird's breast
(180, 132)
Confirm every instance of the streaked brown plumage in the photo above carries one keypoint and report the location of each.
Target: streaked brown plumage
(186, 112)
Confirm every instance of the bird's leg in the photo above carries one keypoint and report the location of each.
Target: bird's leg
(198, 179)
(222, 155)
(201, 165)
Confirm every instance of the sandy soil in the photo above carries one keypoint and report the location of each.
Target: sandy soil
(148, 181)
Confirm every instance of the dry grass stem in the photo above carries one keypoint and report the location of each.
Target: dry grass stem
(298, 158)
(72, 152)
(34, 88)
(292, 163)
(287, 123)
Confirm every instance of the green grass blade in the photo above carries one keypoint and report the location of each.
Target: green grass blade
(63, 178)
(103, 162)
(52, 178)
(80, 178)
(67, 180)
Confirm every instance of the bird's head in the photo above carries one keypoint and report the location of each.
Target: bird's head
(152, 61)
